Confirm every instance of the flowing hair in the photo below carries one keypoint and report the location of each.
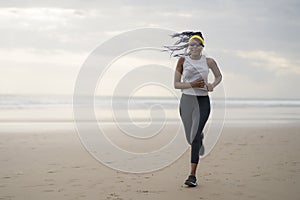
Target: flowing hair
(181, 44)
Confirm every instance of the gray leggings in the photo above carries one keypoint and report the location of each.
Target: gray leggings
(194, 113)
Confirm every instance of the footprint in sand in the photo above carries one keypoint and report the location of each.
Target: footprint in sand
(77, 166)
(52, 171)
(114, 196)
(255, 175)
(49, 191)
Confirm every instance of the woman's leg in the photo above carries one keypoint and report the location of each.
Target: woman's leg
(194, 168)
(204, 108)
(194, 112)
(189, 113)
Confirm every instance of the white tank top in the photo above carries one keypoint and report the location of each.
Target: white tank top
(192, 70)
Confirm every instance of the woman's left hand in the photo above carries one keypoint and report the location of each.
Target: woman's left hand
(210, 87)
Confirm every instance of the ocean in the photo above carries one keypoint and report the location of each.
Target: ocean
(59, 109)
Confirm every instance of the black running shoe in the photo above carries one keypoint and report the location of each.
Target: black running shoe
(191, 181)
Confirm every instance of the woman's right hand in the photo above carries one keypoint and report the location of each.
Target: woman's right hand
(198, 83)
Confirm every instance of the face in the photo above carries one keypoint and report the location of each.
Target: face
(195, 47)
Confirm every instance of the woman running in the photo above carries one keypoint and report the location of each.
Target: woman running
(191, 77)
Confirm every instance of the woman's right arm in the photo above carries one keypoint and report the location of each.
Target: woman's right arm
(183, 85)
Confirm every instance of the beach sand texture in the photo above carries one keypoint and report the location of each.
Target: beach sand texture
(248, 162)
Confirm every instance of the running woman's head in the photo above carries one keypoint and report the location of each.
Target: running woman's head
(183, 43)
(196, 44)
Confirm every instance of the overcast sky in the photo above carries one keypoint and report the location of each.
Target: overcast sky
(255, 42)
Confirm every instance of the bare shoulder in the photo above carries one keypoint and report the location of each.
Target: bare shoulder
(181, 59)
(210, 60)
(179, 66)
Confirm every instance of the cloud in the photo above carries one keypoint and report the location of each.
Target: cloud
(271, 60)
(39, 19)
(257, 73)
(44, 28)
(19, 58)
(176, 14)
(244, 86)
(257, 41)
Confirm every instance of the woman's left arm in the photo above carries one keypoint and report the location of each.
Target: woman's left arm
(216, 71)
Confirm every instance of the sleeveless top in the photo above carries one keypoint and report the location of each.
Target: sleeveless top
(192, 70)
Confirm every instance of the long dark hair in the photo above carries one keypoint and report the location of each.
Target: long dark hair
(182, 43)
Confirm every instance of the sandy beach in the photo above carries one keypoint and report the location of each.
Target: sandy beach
(248, 162)
(91, 103)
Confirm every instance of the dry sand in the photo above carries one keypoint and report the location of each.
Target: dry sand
(254, 162)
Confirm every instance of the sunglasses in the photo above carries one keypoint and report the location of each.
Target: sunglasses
(197, 44)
